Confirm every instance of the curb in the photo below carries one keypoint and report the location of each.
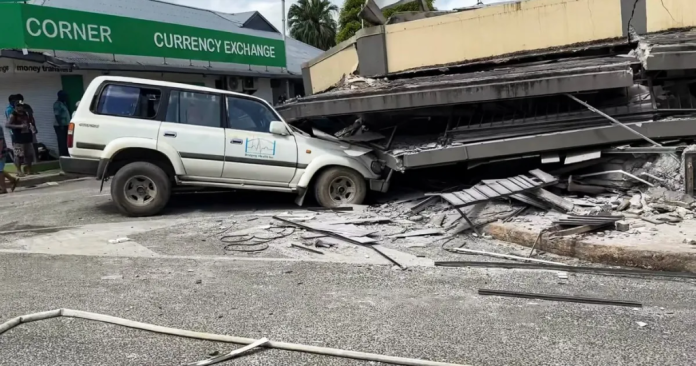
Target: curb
(36, 180)
(575, 246)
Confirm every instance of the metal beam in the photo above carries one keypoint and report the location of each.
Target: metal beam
(613, 120)
(551, 267)
(644, 150)
(584, 300)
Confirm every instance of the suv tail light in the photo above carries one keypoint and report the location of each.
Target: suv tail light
(71, 130)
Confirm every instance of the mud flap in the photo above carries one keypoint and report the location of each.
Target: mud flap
(300, 199)
(104, 178)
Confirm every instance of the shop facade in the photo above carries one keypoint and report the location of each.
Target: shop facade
(51, 47)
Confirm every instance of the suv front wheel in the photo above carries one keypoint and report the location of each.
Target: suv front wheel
(340, 186)
(141, 189)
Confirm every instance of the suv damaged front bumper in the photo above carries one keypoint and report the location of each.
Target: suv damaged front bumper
(379, 185)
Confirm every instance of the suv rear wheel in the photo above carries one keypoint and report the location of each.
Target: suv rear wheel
(141, 189)
(340, 186)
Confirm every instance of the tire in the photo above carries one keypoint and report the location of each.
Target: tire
(325, 188)
(141, 174)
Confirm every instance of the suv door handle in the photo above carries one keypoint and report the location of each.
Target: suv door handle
(169, 134)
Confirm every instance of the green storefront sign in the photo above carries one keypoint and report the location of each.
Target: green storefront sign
(47, 28)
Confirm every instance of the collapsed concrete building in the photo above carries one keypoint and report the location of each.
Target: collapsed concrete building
(544, 78)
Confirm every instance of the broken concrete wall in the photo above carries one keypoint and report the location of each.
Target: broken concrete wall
(328, 69)
(670, 14)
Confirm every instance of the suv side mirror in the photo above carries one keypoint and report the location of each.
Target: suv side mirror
(278, 128)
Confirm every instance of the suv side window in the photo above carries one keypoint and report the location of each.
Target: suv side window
(129, 101)
(191, 108)
(249, 115)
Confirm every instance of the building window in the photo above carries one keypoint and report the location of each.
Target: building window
(197, 109)
(129, 101)
(249, 115)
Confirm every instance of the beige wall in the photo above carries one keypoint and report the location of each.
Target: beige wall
(674, 14)
(329, 71)
(500, 30)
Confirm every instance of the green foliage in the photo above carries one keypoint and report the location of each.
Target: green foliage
(413, 6)
(349, 22)
(312, 22)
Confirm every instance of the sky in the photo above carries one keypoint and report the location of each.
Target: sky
(271, 9)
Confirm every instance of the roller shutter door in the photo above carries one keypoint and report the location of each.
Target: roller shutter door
(39, 91)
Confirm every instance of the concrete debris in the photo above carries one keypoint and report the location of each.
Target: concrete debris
(662, 208)
(650, 220)
(119, 240)
(635, 202)
(622, 226)
(326, 243)
(437, 220)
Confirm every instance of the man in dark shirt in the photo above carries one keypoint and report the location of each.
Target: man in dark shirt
(21, 124)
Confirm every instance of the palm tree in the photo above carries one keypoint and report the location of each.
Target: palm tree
(312, 22)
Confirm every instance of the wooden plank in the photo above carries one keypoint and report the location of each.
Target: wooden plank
(554, 200)
(578, 230)
(452, 199)
(545, 177)
(521, 182)
(533, 181)
(466, 196)
(424, 232)
(499, 188)
(478, 196)
(477, 191)
(487, 191)
(530, 201)
(510, 185)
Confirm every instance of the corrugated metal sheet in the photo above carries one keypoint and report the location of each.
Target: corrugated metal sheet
(160, 11)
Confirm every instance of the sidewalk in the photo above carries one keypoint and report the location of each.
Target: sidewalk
(44, 177)
(656, 247)
(48, 172)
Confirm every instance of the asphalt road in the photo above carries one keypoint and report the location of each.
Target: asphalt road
(424, 312)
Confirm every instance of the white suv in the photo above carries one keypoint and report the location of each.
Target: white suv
(152, 136)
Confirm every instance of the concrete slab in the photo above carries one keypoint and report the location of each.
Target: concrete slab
(657, 247)
(564, 76)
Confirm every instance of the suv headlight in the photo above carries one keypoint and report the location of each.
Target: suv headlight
(377, 167)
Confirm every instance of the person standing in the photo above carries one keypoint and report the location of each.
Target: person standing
(3, 174)
(21, 123)
(8, 112)
(32, 128)
(62, 114)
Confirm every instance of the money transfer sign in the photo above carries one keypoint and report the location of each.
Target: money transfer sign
(43, 27)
